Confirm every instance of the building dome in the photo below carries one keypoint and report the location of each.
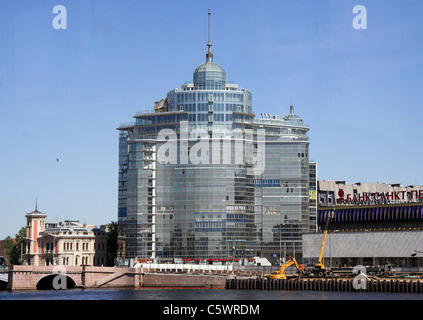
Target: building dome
(209, 76)
(209, 66)
(292, 119)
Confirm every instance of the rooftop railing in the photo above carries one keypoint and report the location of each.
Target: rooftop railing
(126, 124)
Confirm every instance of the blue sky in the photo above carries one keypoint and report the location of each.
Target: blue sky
(63, 93)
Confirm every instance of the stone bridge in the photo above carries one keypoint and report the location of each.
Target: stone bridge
(63, 277)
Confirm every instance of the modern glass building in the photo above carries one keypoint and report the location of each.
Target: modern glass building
(200, 177)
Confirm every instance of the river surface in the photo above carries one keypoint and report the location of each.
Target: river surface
(200, 294)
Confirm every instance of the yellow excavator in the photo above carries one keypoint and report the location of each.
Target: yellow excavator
(280, 274)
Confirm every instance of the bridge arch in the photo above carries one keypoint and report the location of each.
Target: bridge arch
(3, 285)
(56, 281)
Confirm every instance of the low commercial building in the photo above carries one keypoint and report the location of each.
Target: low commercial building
(370, 224)
(67, 243)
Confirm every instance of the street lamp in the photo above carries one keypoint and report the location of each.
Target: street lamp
(233, 254)
(330, 245)
(415, 252)
(282, 226)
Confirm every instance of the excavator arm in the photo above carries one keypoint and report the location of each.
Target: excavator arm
(286, 265)
(281, 273)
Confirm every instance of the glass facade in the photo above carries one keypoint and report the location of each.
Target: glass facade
(209, 76)
(187, 188)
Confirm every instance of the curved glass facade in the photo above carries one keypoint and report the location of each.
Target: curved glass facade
(209, 76)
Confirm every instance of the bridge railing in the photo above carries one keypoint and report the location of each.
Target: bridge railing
(215, 269)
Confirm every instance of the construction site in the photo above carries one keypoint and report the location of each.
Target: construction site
(319, 276)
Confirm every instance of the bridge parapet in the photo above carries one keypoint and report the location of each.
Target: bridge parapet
(27, 277)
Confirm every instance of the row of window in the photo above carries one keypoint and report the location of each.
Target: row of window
(98, 261)
(200, 117)
(204, 117)
(168, 118)
(206, 83)
(266, 183)
(209, 107)
(182, 97)
(68, 245)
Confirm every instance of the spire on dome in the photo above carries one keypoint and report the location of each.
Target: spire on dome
(209, 75)
(209, 55)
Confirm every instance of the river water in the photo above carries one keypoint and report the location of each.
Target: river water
(205, 303)
(200, 294)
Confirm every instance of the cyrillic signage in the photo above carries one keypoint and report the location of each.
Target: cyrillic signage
(403, 196)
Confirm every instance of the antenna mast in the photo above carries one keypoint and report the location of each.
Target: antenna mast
(209, 55)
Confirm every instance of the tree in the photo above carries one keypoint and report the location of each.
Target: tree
(8, 245)
(16, 247)
(112, 234)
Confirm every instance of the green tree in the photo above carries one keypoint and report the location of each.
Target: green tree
(112, 234)
(8, 244)
(16, 247)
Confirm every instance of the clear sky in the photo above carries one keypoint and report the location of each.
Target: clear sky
(63, 93)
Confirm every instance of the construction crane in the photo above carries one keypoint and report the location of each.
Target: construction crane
(319, 268)
(280, 274)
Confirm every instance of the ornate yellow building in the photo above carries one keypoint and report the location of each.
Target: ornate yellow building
(67, 243)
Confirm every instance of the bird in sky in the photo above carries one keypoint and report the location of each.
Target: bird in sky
(57, 160)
